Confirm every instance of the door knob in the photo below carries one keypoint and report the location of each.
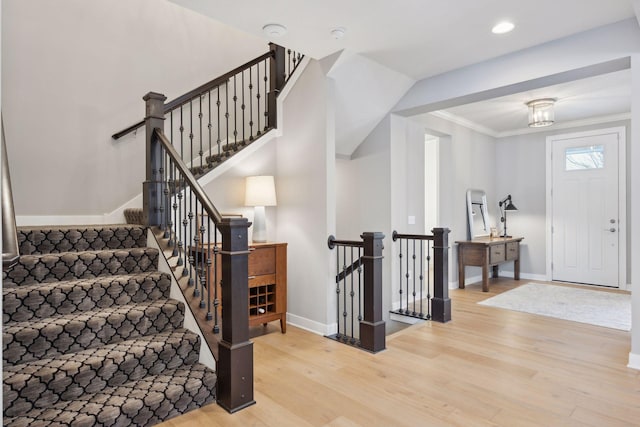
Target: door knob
(612, 229)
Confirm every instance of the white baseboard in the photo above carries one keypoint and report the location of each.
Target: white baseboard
(311, 325)
(634, 361)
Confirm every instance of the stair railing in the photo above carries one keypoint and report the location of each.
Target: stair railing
(10, 249)
(174, 202)
(359, 284)
(419, 296)
(217, 119)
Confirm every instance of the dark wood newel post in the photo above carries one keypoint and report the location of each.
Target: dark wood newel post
(441, 304)
(372, 327)
(276, 81)
(152, 186)
(235, 351)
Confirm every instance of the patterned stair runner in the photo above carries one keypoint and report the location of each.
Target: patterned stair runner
(90, 335)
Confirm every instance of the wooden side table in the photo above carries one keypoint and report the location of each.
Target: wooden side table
(487, 252)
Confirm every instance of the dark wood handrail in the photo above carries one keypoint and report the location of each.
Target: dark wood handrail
(332, 242)
(10, 248)
(183, 99)
(188, 177)
(395, 236)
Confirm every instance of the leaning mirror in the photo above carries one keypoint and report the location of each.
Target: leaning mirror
(477, 214)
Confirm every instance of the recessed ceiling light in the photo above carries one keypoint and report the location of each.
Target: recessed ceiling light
(503, 27)
(274, 30)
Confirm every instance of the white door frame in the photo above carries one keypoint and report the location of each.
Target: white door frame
(622, 197)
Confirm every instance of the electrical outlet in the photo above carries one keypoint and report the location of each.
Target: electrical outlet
(412, 220)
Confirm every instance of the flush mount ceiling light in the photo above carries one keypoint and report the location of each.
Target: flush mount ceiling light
(274, 30)
(541, 112)
(338, 33)
(502, 27)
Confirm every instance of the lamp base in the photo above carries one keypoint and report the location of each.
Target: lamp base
(259, 225)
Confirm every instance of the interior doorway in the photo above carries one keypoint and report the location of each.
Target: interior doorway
(587, 205)
(431, 182)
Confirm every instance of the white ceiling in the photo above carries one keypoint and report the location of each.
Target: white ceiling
(596, 99)
(423, 38)
(419, 38)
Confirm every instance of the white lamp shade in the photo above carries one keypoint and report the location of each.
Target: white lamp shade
(260, 191)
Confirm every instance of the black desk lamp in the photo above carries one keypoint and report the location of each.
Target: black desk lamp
(508, 206)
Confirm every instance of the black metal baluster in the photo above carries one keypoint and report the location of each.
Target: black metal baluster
(242, 107)
(338, 292)
(421, 276)
(203, 271)
(429, 246)
(250, 104)
(414, 276)
(219, 126)
(171, 241)
(352, 294)
(266, 98)
(164, 207)
(258, 89)
(360, 296)
(201, 152)
(209, 126)
(288, 72)
(401, 279)
(344, 292)
(181, 181)
(226, 114)
(175, 224)
(235, 112)
(190, 230)
(407, 275)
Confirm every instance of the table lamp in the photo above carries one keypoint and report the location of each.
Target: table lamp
(506, 205)
(260, 191)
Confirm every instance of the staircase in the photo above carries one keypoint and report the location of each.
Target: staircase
(91, 336)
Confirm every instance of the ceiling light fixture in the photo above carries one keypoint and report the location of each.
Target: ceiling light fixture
(274, 30)
(541, 112)
(503, 27)
(338, 33)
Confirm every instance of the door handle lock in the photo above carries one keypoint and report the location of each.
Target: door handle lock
(612, 229)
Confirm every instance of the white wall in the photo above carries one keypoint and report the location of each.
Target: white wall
(306, 198)
(227, 191)
(365, 91)
(634, 218)
(74, 72)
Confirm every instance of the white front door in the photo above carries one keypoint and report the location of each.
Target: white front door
(585, 209)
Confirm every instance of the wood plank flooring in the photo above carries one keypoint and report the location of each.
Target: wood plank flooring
(487, 367)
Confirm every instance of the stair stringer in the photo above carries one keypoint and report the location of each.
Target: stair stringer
(190, 323)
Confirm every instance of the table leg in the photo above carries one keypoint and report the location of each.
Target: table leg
(516, 269)
(460, 271)
(283, 324)
(485, 278)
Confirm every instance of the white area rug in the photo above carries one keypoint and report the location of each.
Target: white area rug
(611, 310)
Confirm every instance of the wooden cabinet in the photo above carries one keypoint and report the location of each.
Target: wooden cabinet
(485, 253)
(267, 282)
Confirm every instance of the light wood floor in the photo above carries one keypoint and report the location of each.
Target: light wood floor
(487, 367)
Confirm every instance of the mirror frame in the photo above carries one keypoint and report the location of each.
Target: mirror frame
(479, 198)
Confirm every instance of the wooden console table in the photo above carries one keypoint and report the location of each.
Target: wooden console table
(484, 252)
(267, 282)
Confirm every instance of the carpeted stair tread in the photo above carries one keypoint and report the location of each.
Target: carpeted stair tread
(44, 382)
(58, 335)
(143, 402)
(41, 300)
(79, 265)
(57, 239)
